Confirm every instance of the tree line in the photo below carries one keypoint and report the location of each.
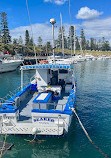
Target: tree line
(80, 41)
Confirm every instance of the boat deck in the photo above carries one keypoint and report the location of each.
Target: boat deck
(28, 105)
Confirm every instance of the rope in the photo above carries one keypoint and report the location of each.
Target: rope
(86, 133)
(33, 140)
(1, 154)
(3, 145)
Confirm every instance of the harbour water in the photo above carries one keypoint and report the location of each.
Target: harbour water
(93, 105)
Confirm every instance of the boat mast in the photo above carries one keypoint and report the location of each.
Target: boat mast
(81, 46)
(62, 36)
(70, 27)
(74, 40)
(31, 31)
(53, 21)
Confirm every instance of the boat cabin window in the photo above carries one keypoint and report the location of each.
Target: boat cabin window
(63, 71)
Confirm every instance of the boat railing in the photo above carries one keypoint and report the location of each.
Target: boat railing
(48, 106)
(5, 100)
(32, 78)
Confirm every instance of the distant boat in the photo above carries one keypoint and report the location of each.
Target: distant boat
(7, 65)
(78, 58)
(89, 57)
(59, 60)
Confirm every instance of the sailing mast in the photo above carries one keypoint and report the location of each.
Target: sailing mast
(70, 27)
(62, 36)
(31, 31)
(74, 40)
(81, 46)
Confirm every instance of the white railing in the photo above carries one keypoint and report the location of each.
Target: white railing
(5, 100)
(47, 106)
(32, 78)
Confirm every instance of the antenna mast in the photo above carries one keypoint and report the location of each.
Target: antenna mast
(53, 21)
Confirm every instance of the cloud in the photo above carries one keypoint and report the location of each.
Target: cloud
(98, 28)
(95, 28)
(58, 2)
(44, 30)
(86, 13)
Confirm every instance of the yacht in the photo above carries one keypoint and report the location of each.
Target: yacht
(59, 60)
(78, 58)
(89, 57)
(7, 65)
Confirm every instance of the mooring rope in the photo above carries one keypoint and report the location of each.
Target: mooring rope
(86, 133)
(30, 141)
(3, 145)
(1, 154)
(33, 140)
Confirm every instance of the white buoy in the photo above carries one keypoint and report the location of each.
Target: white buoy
(34, 130)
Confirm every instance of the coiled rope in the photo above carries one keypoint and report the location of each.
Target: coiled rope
(86, 133)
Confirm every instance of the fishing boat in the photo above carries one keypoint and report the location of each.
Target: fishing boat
(43, 107)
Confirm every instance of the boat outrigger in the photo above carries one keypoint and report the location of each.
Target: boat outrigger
(43, 106)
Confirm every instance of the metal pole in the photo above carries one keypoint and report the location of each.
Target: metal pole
(21, 79)
(81, 46)
(58, 125)
(53, 21)
(53, 41)
(62, 36)
(70, 27)
(74, 40)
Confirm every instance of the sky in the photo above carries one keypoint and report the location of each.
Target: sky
(94, 16)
